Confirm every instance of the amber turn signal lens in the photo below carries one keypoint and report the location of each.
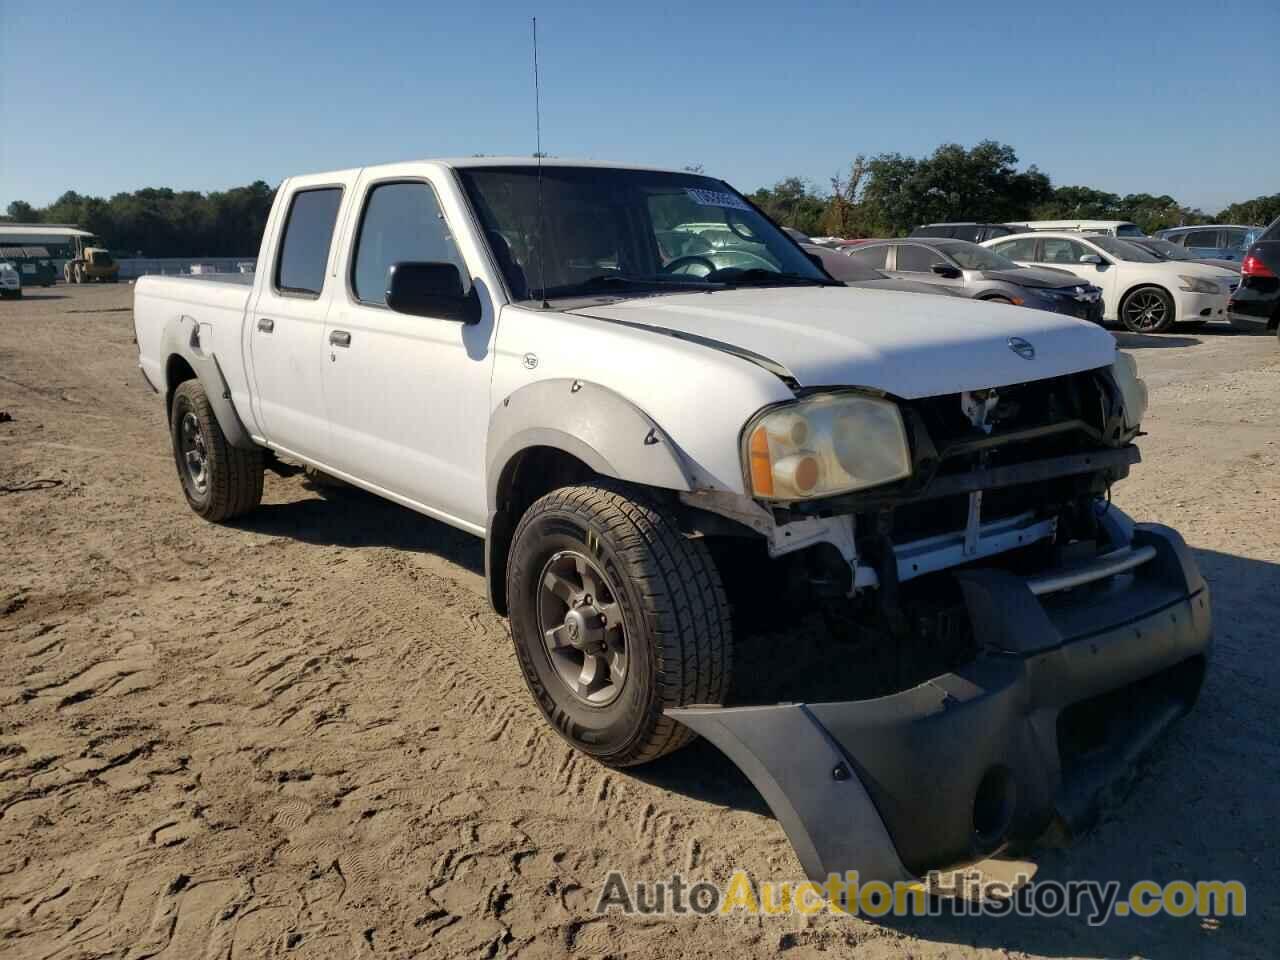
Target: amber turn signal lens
(761, 467)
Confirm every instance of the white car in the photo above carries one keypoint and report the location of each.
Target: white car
(10, 280)
(1145, 293)
(553, 357)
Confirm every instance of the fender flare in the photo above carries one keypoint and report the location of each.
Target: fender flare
(586, 420)
(182, 337)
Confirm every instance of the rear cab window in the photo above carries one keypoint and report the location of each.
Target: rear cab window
(304, 245)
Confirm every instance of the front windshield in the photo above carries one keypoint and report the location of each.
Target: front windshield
(616, 231)
(970, 256)
(1167, 250)
(1123, 250)
(1129, 230)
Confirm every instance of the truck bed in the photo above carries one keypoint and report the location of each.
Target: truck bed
(169, 309)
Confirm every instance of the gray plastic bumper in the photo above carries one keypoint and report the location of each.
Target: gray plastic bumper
(1045, 724)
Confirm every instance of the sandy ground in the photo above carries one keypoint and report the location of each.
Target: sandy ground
(306, 734)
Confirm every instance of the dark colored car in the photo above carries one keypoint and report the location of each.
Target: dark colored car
(973, 232)
(1168, 250)
(969, 270)
(34, 263)
(1255, 305)
(1219, 241)
(852, 273)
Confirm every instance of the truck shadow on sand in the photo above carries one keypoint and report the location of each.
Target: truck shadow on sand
(344, 516)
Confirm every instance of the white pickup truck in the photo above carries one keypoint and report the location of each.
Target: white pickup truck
(620, 377)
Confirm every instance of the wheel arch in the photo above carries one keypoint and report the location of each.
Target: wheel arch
(187, 358)
(558, 432)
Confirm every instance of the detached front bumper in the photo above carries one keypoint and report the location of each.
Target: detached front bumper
(1047, 723)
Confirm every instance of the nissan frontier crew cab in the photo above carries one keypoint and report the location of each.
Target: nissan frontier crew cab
(629, 382)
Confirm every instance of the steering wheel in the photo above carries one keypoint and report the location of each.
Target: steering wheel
(735, 223)
(675, 265)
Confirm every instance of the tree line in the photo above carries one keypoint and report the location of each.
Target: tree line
(890, 194)
(159, 222)
(881, 196)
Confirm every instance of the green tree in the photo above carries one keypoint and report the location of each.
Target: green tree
(1259, 210)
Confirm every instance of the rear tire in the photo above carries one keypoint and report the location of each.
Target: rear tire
(219, 481)
(1148, 310)
(600, 572)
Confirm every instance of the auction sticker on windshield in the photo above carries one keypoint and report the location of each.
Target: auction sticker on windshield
(715, 198)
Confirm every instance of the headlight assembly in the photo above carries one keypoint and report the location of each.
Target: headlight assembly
(1198, 285)
(824, 445)
(1133, 389)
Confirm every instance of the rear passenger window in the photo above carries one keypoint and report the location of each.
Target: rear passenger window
(304, 249)
(1204, 239)
(1235, 239)
(402, 223)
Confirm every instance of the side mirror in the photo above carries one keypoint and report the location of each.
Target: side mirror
(1092, 258)
(431, 290)
(945, 270)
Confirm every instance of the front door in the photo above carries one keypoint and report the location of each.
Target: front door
(916, 262)
(1062, 253)
(286, 327)
(407, 396)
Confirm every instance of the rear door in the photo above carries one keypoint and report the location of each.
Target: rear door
(1204, 243)
(286, 322)
(408, 396)
(1235, 241)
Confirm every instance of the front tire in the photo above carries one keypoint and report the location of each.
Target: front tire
(616, 616)
(1148, 310)
(219, 481)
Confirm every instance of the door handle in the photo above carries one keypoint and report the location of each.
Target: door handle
(339, 338)
(266, 324)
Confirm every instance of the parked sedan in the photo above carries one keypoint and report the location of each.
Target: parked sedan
(852, 273)
(10, 280)
(973, 271)
(1145, 293)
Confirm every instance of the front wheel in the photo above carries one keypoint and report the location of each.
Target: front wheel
(616, 616)
(219, 481)
(1148, 310)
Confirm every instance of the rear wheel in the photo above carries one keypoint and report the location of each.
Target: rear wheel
(616, 616)
(1147, 310)
(219, 481)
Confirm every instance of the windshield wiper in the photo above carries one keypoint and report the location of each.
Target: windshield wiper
(609, 281)
(760, 277)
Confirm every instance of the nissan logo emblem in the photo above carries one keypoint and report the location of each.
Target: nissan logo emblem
(1022, 348)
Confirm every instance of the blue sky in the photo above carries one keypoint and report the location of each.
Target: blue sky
(1170, 97)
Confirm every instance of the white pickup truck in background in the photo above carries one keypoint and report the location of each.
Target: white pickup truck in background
(619, 377)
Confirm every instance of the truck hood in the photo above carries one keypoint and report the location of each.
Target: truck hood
(906, 344)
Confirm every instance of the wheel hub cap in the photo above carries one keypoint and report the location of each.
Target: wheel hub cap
(195, 455)
(582, 628)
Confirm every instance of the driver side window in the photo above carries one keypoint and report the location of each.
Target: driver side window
(913, 258)
(1057, 250)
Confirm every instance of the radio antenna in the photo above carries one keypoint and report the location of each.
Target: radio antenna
(537, 120)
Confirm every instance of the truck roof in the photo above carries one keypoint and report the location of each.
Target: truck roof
(497, 161)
